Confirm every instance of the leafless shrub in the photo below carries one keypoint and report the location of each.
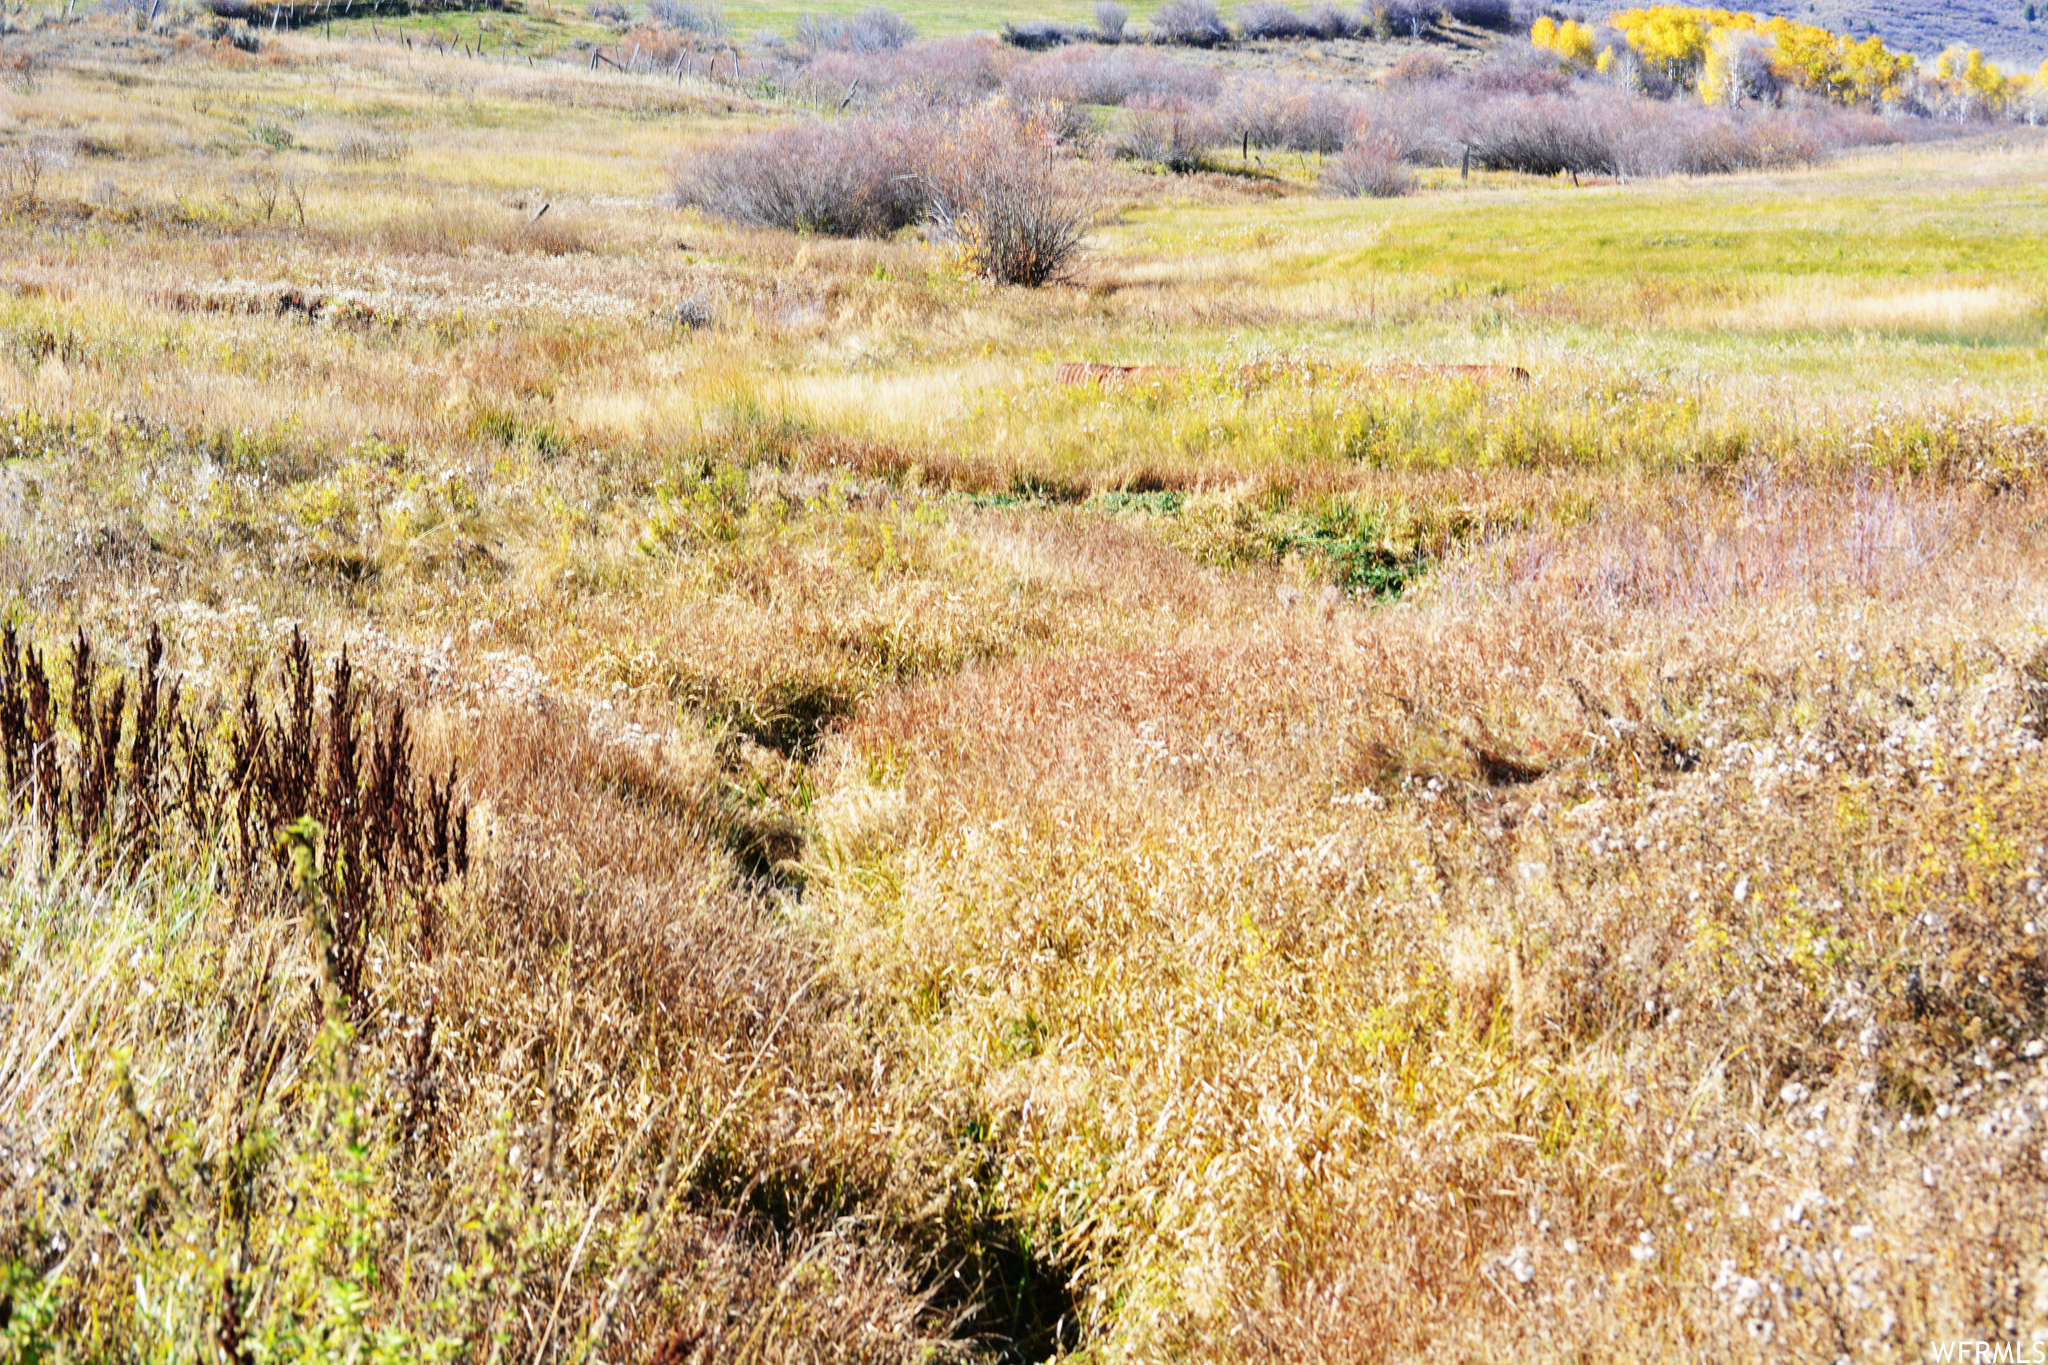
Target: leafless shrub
(706, 17)
(266, 187)
(850, 179)
(1688, 140)
(1334, 21)
(1832, 130)
(1073, 125)
(817, 33)
(1544, 135)
(1093, 75)
(1519, 68)
(690, 315)
(1299, 116)
(1419, 68)
(1271, 19)
(661, 48)
(879, 28)
(369, 146)
(939, 72)
(1037, 35)
(23, 166)
(1110, 18)
(608, 12)
(1171, 131)
(1370, 166)
(990, 180)
(1407, 18)
(1002, 193)
(1189, 23)
(1494, 14)
(872, 30)
(1428, 119)
(1602, 131)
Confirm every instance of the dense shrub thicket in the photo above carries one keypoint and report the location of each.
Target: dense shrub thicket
(705, 17)
(1370, 165)
(997, 190)
(1544, 130)
(989, 179)
(857, 178)
(1190, 23)
(872, 30)
(1199, 23)
(1529, 109)
(1112, 76)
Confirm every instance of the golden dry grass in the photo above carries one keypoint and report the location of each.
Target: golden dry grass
(1354, 984)
(1290, 862)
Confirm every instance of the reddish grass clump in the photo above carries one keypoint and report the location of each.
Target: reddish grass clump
(134, 780)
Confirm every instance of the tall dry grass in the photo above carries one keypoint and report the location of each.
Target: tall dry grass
(1308, 855)
(1628, 945)
(525, 1114)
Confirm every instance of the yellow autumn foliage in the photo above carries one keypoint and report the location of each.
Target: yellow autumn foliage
(1720, 81)
(1668, 37)
(1680, 41)
(1965, 75)
(1570, 40)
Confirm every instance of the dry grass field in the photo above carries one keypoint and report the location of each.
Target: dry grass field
(1308, 855)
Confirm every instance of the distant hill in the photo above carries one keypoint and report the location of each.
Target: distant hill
(2000, 28)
